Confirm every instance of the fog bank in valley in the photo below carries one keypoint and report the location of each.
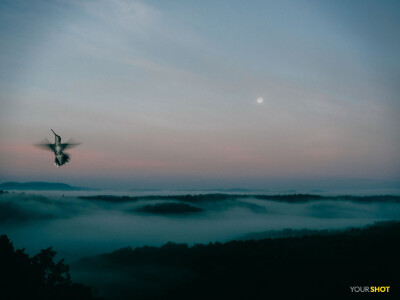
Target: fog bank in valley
(78, 226)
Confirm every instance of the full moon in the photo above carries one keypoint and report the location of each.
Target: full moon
(260, 100)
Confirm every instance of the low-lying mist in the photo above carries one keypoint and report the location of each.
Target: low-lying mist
(82, 226)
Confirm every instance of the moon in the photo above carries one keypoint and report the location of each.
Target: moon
(260, 100)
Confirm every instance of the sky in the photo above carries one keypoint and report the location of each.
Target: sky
(163, 94)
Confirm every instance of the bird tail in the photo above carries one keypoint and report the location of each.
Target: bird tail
(62, 159)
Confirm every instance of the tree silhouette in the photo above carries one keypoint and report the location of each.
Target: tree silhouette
(37, 277)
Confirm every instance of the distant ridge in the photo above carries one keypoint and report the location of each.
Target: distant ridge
(290, 198)
(40, 186)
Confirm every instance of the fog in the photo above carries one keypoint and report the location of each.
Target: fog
(77, 227)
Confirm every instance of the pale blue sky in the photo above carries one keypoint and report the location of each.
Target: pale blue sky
(163, 93)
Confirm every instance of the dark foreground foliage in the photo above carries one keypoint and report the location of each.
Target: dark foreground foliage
(317, 267)
(37, 277)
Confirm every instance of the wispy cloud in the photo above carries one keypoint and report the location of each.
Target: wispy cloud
(130, 15)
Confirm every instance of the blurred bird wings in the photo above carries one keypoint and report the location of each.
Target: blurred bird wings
(70, 144)
(45, 144)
